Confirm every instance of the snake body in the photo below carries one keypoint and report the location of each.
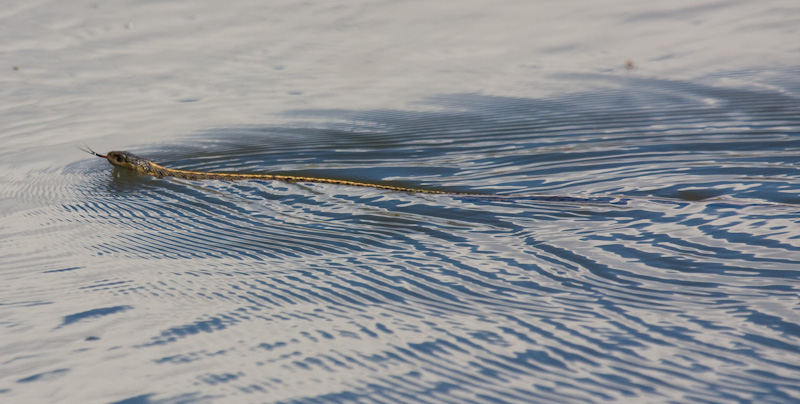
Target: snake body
(142, 165)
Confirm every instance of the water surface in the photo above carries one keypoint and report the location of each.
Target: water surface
(638, 240)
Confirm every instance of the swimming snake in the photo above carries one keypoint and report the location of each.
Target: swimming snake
(142, 165)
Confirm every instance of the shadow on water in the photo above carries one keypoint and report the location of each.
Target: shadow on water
(635, 240)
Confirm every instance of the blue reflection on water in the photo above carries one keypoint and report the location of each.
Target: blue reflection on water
(639, 243)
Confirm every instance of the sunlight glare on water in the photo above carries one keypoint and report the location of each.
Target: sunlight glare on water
(636, 239)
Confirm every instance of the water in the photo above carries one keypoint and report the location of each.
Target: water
(638, 240)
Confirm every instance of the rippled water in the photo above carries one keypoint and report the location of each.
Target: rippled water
(638, 241)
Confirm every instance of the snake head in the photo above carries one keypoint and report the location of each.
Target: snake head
(130, 161)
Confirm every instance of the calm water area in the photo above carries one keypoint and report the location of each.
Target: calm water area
(637, 240)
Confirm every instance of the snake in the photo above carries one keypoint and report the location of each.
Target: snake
(130, 161)
(142, 165)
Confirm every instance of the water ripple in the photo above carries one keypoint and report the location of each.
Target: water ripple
(638, 243)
